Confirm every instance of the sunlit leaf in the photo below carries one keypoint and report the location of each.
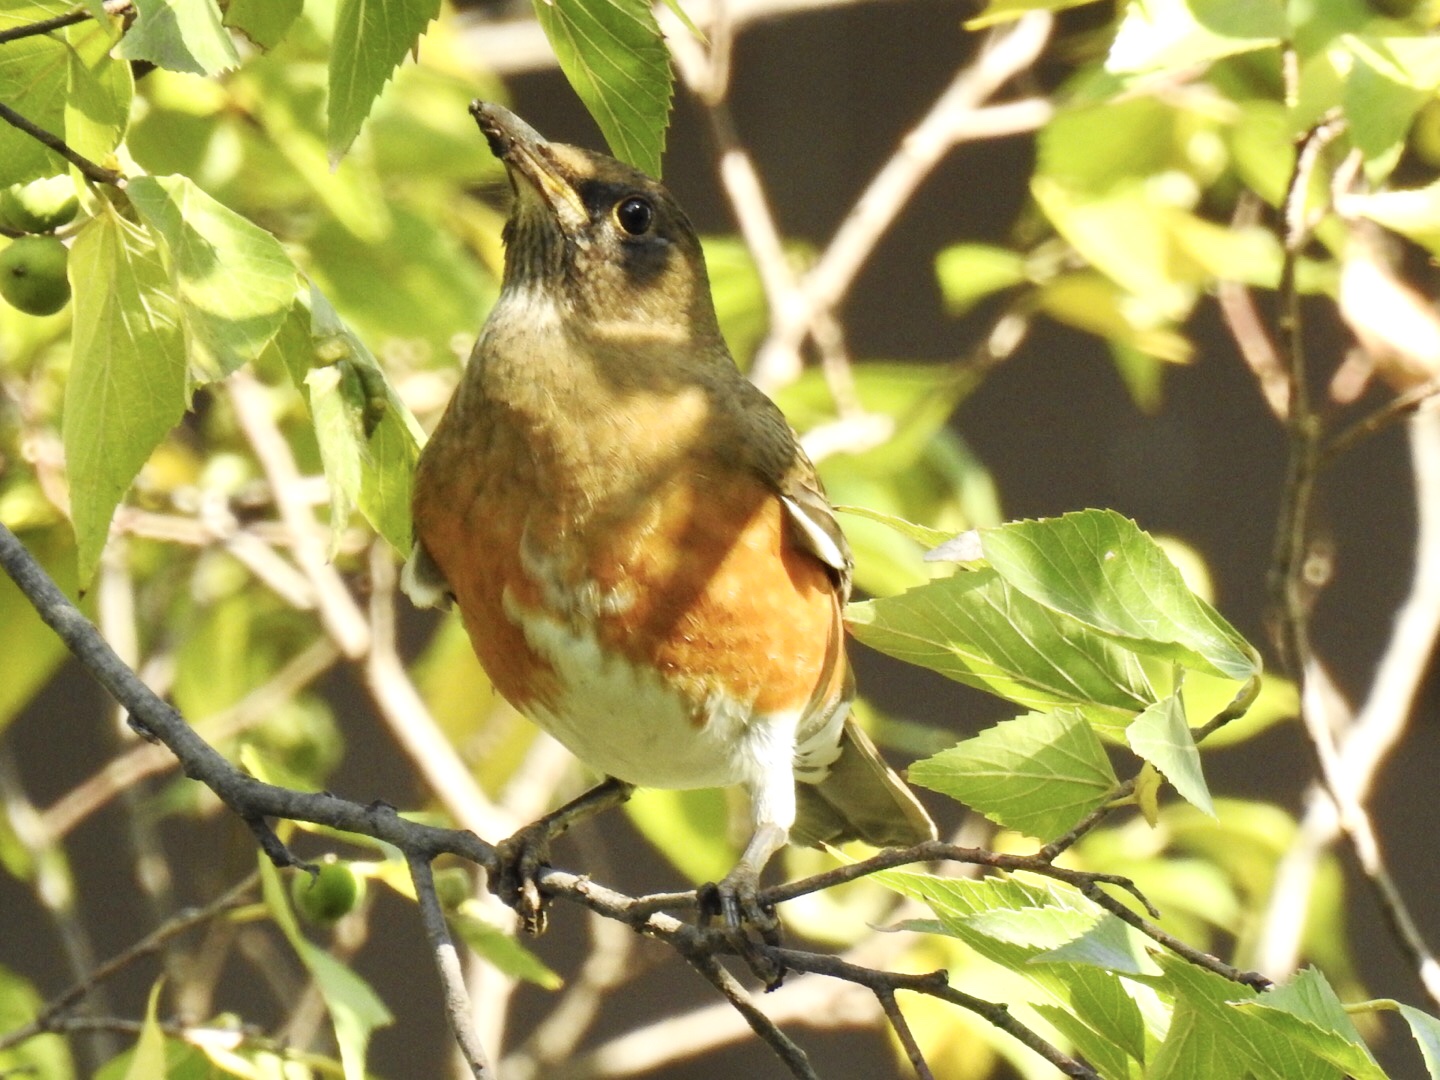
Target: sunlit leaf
(1306, 1010)
(616, 61)
(502, 950)
(1038, 774)
(976, 628)
(371, 39)
(180, 35)
(1100, 568)
(127, 384)
(234, 281)
(34, 76)
(1161, 736)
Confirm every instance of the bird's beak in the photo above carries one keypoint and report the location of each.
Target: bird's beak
(530, 159)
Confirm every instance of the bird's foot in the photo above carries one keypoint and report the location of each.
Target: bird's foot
(520, 859)
(735, 901)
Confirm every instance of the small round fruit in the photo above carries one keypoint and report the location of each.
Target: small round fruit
(39, 206)
(329, 895)
(32, 275)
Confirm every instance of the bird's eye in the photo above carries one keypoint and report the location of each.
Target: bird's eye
(635, 215)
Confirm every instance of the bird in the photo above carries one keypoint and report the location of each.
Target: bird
(641, 552)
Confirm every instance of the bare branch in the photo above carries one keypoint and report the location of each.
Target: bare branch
(447, 963)
(96, 173)
(61, 1005)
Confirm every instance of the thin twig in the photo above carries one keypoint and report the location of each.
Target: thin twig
(59, 22)
(339, 613)
(447, 963)
(65, 1001)
(785, 1048)
(1398, 408)
(898, 1024)
(93, 172)
(933, 984)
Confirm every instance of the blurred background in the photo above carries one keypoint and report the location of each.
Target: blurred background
(821, 96)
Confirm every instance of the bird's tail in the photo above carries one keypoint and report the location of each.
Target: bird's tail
(862, 798)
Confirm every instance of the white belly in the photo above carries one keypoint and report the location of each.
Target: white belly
(626, 722)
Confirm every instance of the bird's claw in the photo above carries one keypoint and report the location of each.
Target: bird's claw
(735, 901)
(520, 859)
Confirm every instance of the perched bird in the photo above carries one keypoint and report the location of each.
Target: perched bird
(640, 550)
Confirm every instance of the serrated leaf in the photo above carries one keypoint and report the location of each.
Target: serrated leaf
(180, 35)
(1099, 1048)
(44, 1056)
(1038, 774)
(503, 951)
(1010, 921)
(1307, 1011)
(1098, 567)
(371, 39)
(127, 386)
(615, 58)
(977, 629)
(1162, 737)
(234, 281)
(34, 76)
(1215, 1033)
(1110, 944)
(1426, 1030)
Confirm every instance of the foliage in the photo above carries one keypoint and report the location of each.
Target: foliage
(277, 289)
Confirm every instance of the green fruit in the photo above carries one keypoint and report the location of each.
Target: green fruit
(329, 895)
(39, 206)
(32, 275)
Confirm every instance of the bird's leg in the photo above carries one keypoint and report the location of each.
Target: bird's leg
(523, 854)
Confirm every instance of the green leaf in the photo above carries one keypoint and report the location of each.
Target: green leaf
(978, 629)
(1098, 1048)
(998, 11)
(265, 22)
(148, 1059)
(127, 386)
(34, 77)
(1174, 34)
(43, 1056)
(1098, 567)
(354, 1009)
(1306, 1010)
(1011, 921)
(921, 534)
(970, 272)
(688, 827)
(502, 950)
(615, 58)
(180, 35)
(1110, 944)
(97, 107)
(1038, 774)
(1215, 1032)
(1413, 212)
(371, 39)
(365, 424)
(1162, 737)
(32, 651)
(234, 281)
(1426, 1030)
